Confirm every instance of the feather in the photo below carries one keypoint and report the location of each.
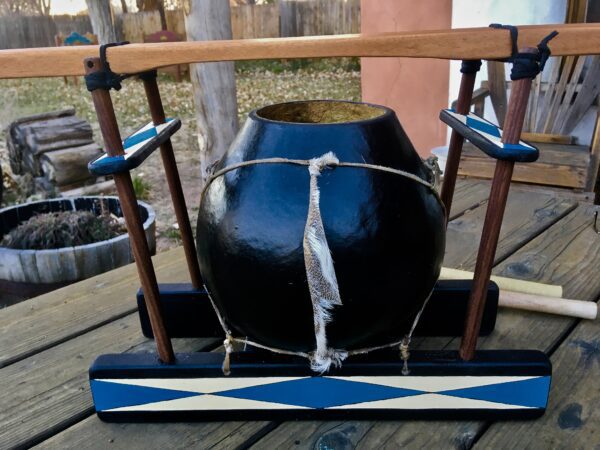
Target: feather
(320, 272)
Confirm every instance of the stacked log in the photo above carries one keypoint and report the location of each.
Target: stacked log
(55, 146)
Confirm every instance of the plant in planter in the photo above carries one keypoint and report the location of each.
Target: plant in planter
(63, 229)
(52, 243)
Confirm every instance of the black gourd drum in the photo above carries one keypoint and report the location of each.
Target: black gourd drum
(386, 232)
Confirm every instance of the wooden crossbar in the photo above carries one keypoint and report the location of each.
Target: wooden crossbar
(467, 43)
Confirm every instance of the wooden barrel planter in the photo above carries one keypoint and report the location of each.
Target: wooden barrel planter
(27, 273)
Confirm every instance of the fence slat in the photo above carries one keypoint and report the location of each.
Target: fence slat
(287, 18)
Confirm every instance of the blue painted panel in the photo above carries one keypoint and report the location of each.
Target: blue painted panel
(318, 392)
(488, 137)
(532, 393)
(139, 137)
(483, 126)
(109, 395)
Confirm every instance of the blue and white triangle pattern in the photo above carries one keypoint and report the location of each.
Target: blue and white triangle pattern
(139, 138)
(327, 392)
(487, 130)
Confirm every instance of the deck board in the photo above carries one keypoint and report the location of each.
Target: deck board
(566, 247)
(527, 215)
(468, 195)
(47, 320)
(39, 323)
(573, 414)
(544, 238)
(46, 392)
(92, 433)
(571, 257)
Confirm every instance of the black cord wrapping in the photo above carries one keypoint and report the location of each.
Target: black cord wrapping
(526, 65)
(470, 66)
(105, 79)
(148, 75)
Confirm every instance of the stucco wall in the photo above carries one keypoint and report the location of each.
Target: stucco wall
(480, 13)
(415, 89)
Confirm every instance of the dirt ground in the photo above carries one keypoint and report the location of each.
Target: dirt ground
(256, 87)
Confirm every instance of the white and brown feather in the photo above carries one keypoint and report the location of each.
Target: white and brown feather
(320, 273)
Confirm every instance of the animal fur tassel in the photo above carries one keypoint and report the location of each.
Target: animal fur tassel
(320, 273)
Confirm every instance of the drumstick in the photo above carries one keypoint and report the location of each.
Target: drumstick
(531, 296)
(508, 284)
(461, 44)
(550, 305)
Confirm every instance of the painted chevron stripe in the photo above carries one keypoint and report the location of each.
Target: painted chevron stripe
(360, 392)
(139, 138)
(486, 129)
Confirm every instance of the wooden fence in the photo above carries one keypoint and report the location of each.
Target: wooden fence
(284, 18)
(39, 31)
(318, 17)
(255, 21)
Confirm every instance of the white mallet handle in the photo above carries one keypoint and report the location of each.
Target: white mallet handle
(550, 305)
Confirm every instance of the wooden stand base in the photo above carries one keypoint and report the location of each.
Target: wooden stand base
(499, 384)
(187, 312)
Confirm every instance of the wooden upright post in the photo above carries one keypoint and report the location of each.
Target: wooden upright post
(513, 126)
(173, 180)
(463, 105)
(137, 238)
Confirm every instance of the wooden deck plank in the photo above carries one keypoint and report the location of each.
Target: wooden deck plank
(543, 209)
(39, 323)
(563, 253)
(92, 433)
(468, 195)
(527, 214)
(573, 416)
(48, 391)
(44, 321)
(231, 434)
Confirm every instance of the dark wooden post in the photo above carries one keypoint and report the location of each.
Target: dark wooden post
(137, 238)
(469, 71)
(173, 180)
(493, 219)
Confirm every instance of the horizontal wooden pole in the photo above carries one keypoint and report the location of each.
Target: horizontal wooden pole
(467, 43)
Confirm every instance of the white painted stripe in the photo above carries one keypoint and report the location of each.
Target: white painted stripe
(494, 139)
(434, 384)
(144, 128)
(201, 385)
(129, 151)
(430, 401)
(206, 403)
(424, 383)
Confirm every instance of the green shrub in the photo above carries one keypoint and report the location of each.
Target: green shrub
(62, 229)
(141, 188)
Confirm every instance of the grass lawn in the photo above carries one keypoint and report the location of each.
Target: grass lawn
(258, 84)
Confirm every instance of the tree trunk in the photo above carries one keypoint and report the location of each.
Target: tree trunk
(102, 20)
(213, 83)
(124, 8)
(161, 11)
